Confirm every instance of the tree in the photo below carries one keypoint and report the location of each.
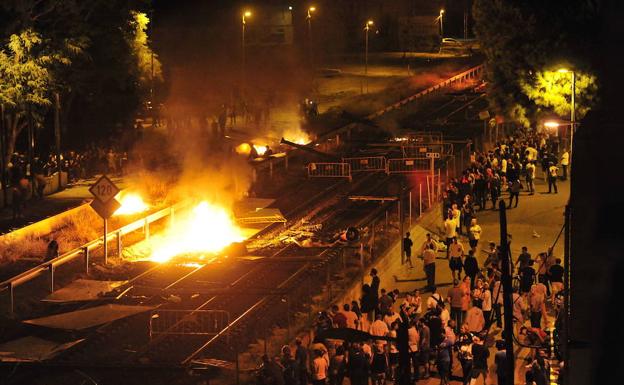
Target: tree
(26, 82)
(523, 42)
(148, 65)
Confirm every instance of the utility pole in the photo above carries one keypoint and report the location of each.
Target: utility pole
(57, 136)
(507, 294)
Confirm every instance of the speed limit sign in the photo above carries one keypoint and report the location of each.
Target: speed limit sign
(104, 189)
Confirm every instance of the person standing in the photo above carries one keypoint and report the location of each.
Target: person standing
(474, 320)
(450, 231)
(480, 354)
(486, 304)
(514, 191)
(499, 360)
(407, 249)
(523, 259)
(301, 356)
(350, 316)
(425, 346)
(358, 365)
(471, 267)
(530, 177)
(474, 234)
(455, 298)
(443, 360)
(379, 366)
(337, 367)
(527, 278)
(456, 255)
(552, 177)
(375, 281)
(555, 275)
(565, 161)
(429, 267)
(413, 339)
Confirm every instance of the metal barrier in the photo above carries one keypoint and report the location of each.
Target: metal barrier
(188, 322)
(329, 170)
(420, 150)
(408, 165)
(84, 251)
(370, 163)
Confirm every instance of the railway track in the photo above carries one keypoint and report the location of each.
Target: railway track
(241, 278)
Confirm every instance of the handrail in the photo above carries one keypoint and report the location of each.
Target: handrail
(72, 254)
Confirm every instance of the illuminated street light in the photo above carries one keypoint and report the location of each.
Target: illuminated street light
(441, 23)
(369, 23)
(309, 19)
(246, 14)
(551, 124)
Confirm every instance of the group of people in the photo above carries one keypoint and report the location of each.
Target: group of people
(27, 179)
(503, 170)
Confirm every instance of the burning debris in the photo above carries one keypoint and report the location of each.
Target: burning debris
(131, 203)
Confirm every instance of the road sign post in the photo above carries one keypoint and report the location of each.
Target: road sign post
(105, 204)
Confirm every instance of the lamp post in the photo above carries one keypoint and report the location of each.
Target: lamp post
(441, 24)
(309, 20)
(369, 23)
(245, 15)
(572, 105)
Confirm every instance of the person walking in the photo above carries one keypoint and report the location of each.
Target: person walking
(552, 177)
(407, 249)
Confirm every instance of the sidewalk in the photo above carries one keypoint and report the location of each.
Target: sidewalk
(541, 213)
(52, 204)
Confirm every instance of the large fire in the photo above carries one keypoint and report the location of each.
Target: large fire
(131, 203)
(297, 135)
(208, 228)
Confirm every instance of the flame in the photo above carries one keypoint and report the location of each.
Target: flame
(260, 149)
(131, 203)
(208, 228)
(297, 135)
(243, 149)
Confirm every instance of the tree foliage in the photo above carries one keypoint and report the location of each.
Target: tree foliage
(27, 73)
(148, 65)
(524, 41)
(93, 54)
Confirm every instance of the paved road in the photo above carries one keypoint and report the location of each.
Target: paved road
(541, 213)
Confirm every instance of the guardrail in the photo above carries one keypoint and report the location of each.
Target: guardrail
(329, 170)
(334, 135)
(408, 165)
(368, 163)
(84, 251)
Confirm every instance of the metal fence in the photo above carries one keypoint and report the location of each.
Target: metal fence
(329, 170)
(408, 165)
(188, 322)
(370, 163)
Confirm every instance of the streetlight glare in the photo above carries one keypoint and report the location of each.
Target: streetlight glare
(370, 22)
(247, 13)
(441, 11)
(563, 70)
(312, 9)
(551, 124)
(290, 7)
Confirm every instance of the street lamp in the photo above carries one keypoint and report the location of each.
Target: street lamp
(245, 15)
(572, 104)
(369, 23)
(309, 19)
(441, 17)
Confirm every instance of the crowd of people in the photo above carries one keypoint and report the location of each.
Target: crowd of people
(459, 325)
(27, 179)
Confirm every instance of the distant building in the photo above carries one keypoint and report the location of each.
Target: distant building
(270, 26)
